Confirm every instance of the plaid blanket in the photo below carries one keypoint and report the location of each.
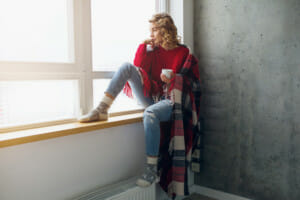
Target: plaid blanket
(182, 134)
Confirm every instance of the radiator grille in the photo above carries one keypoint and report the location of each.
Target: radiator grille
(125, 190)
(136, 193)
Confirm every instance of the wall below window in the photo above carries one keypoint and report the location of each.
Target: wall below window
(250, 65)
(66, 167)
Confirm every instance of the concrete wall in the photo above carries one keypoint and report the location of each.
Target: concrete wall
(249, 53)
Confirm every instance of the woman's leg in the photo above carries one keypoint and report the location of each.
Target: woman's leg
(153, 115)
(127, 72)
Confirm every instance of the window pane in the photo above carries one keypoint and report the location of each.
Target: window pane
(118, 27)
(36, 30)
(122, 102)
(23, 102)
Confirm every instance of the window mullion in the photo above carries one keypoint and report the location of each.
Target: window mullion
(83, 52)
(103, 74)
(10, 76)
(162, 6)
(182, 13)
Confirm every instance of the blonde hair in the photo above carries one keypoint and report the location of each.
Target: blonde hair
(167, 29)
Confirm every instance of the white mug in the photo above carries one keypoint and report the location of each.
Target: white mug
(149, 48)
(167, 72)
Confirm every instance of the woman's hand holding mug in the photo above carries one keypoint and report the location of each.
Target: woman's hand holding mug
(166, 75)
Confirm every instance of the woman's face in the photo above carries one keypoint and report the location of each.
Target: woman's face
(155, 35)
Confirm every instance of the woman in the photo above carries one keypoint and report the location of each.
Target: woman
(150, 86)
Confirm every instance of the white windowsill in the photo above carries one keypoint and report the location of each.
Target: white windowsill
(44, 133)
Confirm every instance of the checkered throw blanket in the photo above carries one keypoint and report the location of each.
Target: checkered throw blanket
(182, 134)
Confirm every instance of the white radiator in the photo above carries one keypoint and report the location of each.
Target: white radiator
(125, 190)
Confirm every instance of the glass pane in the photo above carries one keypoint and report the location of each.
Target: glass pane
(122, 102)
(118, 27)
(26, 102)
(36, 30)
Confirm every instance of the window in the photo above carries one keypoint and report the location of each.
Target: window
(116, 33)
(118, 30)
(56, 99)
(57, 56)
(36, 31)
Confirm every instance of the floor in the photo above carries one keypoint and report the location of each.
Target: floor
(196, 196)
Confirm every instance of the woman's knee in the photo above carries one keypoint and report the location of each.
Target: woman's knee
(127, 67)
(149, 116)
(160, 111)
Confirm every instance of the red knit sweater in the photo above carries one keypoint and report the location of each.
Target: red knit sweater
(152, 62)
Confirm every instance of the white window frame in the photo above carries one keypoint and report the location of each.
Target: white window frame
(81, 69)
(182, 11)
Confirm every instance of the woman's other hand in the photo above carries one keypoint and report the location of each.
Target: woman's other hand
(149, 42)
(165, 79)
(149, 45)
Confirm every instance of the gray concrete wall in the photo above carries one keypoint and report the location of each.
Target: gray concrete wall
(249, 53)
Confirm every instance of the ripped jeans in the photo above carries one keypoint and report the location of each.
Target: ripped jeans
(154, 112)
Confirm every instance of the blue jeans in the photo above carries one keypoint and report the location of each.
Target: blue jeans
(154, 112)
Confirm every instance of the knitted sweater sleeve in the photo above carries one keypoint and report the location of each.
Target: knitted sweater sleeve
(140, 55)
(143, 58)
